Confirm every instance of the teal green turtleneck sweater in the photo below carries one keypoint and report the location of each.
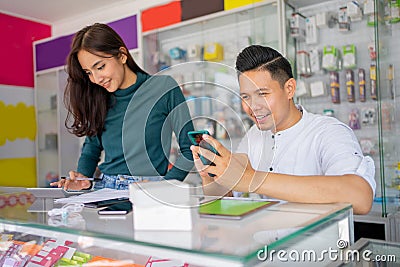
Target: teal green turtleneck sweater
(138, 130)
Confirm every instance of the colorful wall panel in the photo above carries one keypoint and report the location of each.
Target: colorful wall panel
(194, 8)
(17, 136)
(53, 53)
(231, 4)
(16, 49)
(161, 16)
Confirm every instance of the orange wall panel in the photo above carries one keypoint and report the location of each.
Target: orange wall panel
(161, 16)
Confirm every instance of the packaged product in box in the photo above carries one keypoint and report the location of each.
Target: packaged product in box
(349, 56)
(361, 85)
(163, 205)
(297, 26)
(343, 20)
(213, 52)
(194, 52)
(335, 87)
(350, 86)
(177, 53)
(330, 58)
(372, 77)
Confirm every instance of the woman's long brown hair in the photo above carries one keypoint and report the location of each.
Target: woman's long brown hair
(87, 103)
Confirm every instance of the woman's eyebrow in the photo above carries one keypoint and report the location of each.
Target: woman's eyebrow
(96, 63)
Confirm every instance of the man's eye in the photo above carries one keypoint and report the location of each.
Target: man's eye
(245, 97)
(263, 94)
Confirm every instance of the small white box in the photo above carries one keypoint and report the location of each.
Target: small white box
(163, 205)
(317, 89)
(354, 11)
(369, 7)
(311, 30)
(297, 26)
(301, 88)
(321, 20)
(194, 52)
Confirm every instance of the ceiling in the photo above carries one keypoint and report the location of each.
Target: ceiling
(51, 11)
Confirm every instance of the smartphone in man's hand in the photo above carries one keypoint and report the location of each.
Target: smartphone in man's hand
(196, 137)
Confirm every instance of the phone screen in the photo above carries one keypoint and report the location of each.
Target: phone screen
(196, 137)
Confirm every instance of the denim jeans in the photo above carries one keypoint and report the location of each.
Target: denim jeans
(121, 182)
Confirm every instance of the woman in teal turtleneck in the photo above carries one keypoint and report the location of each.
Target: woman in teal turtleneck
(124, 111)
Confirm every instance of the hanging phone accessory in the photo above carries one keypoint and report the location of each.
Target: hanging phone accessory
(66, 210)
(67, 215)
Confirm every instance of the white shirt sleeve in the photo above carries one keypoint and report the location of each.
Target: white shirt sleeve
(342, 154)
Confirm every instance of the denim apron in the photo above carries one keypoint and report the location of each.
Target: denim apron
(121, 182)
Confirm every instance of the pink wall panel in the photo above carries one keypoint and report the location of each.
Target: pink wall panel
(16, 49)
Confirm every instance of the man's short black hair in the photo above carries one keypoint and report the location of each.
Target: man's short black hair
(264, 58)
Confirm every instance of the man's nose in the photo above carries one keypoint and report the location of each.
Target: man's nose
(258, 103)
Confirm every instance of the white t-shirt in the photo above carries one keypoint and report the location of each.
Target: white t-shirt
(316, 145)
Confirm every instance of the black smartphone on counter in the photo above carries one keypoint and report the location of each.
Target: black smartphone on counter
(105, 203)
(120, 208)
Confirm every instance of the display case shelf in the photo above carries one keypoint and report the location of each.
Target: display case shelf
(210, 242)
(375, 39)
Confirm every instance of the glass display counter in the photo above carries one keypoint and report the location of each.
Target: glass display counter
(277, 235)
(371, 252)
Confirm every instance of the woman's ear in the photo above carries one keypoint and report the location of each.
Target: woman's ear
(290, 87)
(123, 56)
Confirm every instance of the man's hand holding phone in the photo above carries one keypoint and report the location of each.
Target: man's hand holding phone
(230, 171)
(204, 153)
(196, 137)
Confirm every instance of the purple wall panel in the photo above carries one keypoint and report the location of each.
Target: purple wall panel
(127, 29)
(54, 53)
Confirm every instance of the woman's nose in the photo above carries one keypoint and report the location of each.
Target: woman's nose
(97, 78)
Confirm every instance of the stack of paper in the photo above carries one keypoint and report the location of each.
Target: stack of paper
(102, 194)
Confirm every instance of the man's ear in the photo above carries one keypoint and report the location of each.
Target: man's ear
(290, 87)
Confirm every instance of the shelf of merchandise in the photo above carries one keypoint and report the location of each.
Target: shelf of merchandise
(211, 87)
(378, 132)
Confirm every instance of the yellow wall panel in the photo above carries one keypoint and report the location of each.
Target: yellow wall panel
(231, 4)
(19, 121)
(19, 172)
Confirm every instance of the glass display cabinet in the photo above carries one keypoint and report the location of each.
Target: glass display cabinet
(217, 37)
(57, 149)
(85, 238)
(371, 252)
(200, 55)
(346, 57)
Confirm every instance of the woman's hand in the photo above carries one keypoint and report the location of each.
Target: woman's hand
(72, 183)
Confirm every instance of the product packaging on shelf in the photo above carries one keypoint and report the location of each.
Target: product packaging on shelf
(361, 84)
(372, 76)
(213, 52)
(335, 87)
(350, 86)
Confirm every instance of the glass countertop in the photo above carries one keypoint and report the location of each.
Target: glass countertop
(273, 226)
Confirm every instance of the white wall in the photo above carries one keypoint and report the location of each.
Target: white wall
(119, 11)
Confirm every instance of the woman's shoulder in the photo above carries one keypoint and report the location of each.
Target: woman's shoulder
(160, 79)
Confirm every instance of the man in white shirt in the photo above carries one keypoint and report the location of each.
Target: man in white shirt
(288, 154)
